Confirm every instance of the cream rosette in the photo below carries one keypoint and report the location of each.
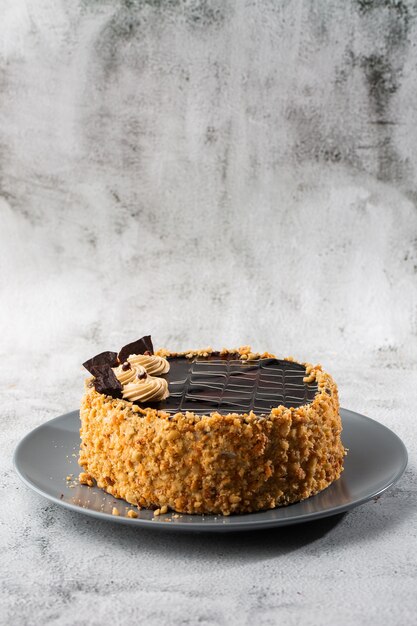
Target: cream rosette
(139, 378)
(154, 365)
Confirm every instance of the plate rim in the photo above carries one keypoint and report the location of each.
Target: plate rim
(197, 526)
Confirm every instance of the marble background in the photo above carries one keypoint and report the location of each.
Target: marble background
(212, 172)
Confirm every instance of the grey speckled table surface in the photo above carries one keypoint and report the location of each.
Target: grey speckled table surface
(63, 568)
(212, 172)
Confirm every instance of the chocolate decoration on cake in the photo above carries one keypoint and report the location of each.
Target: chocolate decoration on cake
(105, 381)
(140, 346)
(100, 366)
(104, 359)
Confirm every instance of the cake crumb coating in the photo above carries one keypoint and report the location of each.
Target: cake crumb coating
(234, 463)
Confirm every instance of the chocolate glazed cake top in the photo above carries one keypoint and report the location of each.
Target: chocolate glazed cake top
(229, 385)
(217, 382)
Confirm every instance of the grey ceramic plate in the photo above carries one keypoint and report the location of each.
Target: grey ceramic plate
(376, 460)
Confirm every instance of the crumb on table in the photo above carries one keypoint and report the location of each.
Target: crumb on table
(86, 479)
(161, 511)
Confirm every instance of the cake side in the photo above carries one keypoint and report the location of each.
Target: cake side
(232, 463)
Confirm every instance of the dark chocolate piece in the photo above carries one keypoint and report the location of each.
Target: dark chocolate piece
(108, 359)
(100, 366)
(106, 382)
(142, 376)
(140, 346)
(126, 366)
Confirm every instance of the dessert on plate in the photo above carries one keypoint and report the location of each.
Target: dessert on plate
(205, 431)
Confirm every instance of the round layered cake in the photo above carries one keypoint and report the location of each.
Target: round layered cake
(208, 432)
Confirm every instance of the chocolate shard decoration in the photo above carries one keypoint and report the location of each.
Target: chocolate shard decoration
(100, 366)
(105, 381)
(140, 346)
(107, 359)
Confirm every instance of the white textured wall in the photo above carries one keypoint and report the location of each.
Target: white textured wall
(211, 172)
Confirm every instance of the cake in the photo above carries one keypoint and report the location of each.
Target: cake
(205, 431)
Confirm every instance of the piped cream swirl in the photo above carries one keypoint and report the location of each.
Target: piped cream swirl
(154, 365)
(138, 381)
